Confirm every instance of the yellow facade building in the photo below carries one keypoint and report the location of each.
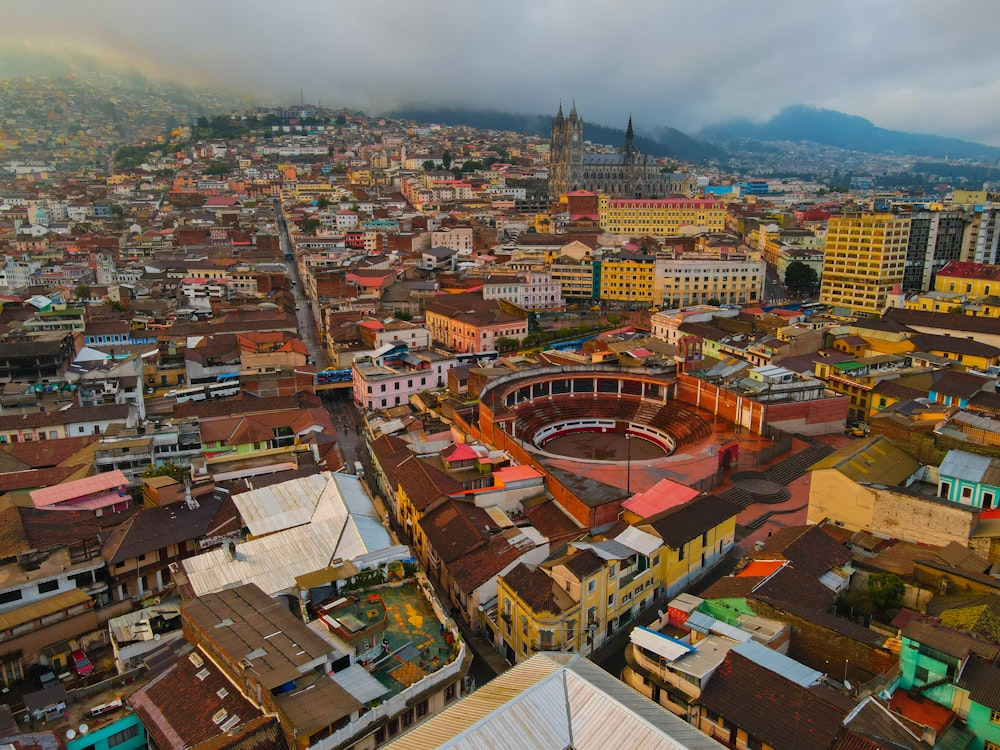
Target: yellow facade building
(865, 256)
(628, 278)
(662, 217)
(578, 600)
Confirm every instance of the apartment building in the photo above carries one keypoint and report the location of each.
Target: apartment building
(661, 217)
(727, 277)
(865, 259)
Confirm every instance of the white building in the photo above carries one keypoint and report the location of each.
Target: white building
(532, 290)
(390, 378)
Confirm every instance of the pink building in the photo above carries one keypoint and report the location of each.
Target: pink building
(101, 493)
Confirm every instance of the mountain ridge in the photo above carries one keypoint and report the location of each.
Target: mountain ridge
(832, 128)
(666, 141)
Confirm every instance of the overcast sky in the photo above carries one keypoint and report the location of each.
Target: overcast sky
(905, 64)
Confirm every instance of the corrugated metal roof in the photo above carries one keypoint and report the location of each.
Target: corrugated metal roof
(658, 643)
(43, 607)
(607, 550)
(971, 467)
(778, 663)
(554, 701)
(71, 490)
(357, 681)
(639, 540)
(281, 506)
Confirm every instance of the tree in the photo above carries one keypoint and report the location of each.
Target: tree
(715, 302)
(82, 292)
(505, 344)
(446, 159)
(323, 202)
(428, 166)
(309, 226)
(881, 599)
(220, 168)
(800, 279)
(166, 469)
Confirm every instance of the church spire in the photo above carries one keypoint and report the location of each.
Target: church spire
(629, 146)
(572, 112)
(559, 114)
(628, 131)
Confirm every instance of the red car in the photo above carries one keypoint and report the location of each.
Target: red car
(81, 664)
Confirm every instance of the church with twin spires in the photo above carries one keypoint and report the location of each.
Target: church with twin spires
(627, 174)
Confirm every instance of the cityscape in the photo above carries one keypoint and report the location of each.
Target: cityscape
(339, 421)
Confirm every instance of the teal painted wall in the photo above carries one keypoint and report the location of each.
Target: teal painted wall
(97, 739)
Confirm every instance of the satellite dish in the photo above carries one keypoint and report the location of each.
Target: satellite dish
(70, 734)
(84, 729)
(847, 684)
(156, 637)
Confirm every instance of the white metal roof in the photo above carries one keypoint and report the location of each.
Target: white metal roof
(357, 681)
(343, 523)
(281, 506)
(971, 467)
(639, 540)
(550, 702)
(778, 663)
(658, 643)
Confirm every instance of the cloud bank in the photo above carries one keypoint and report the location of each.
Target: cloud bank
(904, 64)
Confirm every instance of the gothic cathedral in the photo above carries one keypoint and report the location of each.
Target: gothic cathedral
(628, 174)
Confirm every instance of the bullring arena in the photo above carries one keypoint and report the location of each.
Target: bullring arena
(603, 433)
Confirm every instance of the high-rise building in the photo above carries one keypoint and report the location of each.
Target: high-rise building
(936, 238)
(865, 258)
(985, 242)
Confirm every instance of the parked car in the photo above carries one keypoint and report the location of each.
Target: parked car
(81, 664)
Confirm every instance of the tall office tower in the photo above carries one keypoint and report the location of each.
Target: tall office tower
(936, 238)
(864, 260)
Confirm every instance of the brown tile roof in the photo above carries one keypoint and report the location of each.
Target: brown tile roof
(774, 710)
(552, 521)
(246, 404)
(533, 587)
(424, 483)
(486, 561)
(35, 478)
(833, 623)
(809, 548)
(949, 641)
(48, 528)
(455, 528)
(177, 706)
(583, 563)
(731, 587)
(678, 526)
(982, 679)
(152, 529)
(965, 324)
(110, 412)
(955, 383)
(793, 585)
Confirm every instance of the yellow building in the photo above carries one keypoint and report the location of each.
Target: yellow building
(661, 217)
(628, 278)
(576, 601)
(978, 283)
(865, 254)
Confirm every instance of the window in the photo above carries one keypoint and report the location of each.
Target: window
(680, 553)
(10, 596)
(591, 585)
(393, 727)
(995, 717)
(966, 493)
(449, 693)
(126, 734)
(422, 708)
(47, 586)
(922, 674)
(407, 718)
